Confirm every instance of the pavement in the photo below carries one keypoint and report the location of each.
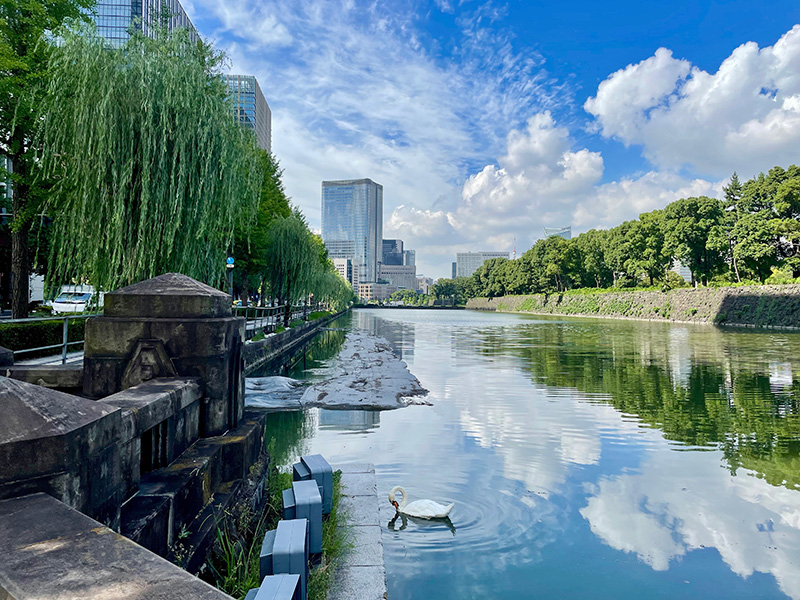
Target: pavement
(72, 358)
(360, 574)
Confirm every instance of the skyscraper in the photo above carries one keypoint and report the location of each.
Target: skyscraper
(352, 224)
(114, 18)
(409, 258)
(251, 108)
(392, 252)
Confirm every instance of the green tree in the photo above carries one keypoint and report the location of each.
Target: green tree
(647, 250)
(153, 174)
(689, 223)
(25, 27)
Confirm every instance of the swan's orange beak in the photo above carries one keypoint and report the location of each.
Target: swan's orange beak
(394, 503)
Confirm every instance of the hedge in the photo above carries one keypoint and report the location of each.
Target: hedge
(19, 336)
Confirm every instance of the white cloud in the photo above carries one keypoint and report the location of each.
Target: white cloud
(744, 117)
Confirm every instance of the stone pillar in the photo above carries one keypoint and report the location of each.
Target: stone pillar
(166, 326)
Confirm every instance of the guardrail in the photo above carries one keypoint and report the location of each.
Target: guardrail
(65, 343)
(266, 319)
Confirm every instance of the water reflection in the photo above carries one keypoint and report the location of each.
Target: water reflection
(349, 420)
(587, 458)
(404, 520)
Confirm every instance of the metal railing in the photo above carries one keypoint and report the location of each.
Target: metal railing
(65, 343)
(266, 319)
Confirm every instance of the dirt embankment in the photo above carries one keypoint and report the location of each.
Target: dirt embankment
(755, 306)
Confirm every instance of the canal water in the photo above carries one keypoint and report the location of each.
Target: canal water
(586, 458)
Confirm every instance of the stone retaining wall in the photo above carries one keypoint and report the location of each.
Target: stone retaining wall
(275, 347)
(755, 306)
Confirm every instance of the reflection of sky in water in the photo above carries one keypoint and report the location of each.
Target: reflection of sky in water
(558, 493)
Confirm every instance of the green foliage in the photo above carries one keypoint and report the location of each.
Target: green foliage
(740, 240)
(143, 148)
(19, 336)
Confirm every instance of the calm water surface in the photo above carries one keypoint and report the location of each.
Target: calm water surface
(586, 458)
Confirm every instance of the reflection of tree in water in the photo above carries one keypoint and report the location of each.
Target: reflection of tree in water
(710, 391)
(323, 347)
(287, 433)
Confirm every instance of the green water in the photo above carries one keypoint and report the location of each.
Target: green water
(587, 458)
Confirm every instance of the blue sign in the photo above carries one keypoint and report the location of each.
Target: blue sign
(229, 262)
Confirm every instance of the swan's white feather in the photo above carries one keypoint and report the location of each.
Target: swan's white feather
(426, 509)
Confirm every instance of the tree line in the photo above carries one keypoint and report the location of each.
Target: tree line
(126, 163)
(752, 235)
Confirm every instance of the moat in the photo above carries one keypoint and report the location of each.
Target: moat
(587, 458)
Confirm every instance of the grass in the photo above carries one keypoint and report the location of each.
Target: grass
(234, 562)
(318, 314)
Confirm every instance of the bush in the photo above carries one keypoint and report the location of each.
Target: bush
(19, 336)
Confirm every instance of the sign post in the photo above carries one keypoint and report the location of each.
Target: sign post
(229, 265)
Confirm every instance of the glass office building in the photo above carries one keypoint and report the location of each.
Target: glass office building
(392, 252)
(469, 262)
(115, 18)
(352, 224)
(251, 108)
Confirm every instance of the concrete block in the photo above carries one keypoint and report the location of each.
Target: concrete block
(289, 508)
(251, 595)
(308, 505)
(290, 551)
(280, 587)
(321, 472)
(265, 562)
(300, 472)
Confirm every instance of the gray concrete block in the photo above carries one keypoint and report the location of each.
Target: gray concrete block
(265, 562)
(290, 550)
(360, 510)
(251, 595)
(363, 583)
(366, 549)
(300, 472)
(308, 505)
(289, 508)
(321, 472)
(280, 587)
(359, 484)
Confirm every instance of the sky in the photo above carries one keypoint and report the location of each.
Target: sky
(487, 121)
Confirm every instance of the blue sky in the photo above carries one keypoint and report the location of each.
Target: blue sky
(487, 121)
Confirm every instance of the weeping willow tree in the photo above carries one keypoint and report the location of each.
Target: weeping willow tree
(153, 173)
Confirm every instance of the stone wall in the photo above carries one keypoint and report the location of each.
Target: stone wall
(755, 306)
(276, 347)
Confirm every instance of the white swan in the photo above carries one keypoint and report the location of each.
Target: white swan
(423, 509)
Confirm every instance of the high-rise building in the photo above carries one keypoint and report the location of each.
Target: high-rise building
(469, 262)
(392, 252)
(455, 268)
(564, 232)
(399, 276)
(116, 18)
(250, 107)
(424, 284)
(409, 258)
(352, 224)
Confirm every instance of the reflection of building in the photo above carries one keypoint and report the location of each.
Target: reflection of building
(349, 420)
(469, 262)
(564, 232)
(400, 276)
(251, 108)
(352, 224)
(375, 291)
(392, 252)
(115, 18)
(400, 335)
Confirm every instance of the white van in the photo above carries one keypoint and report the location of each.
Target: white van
(77, 299)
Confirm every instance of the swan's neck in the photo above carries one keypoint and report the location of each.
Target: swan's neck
(404, 500)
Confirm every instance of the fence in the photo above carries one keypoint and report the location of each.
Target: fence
(266, 319)
(62, 347)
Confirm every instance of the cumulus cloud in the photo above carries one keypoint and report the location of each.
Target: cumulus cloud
(744, 116)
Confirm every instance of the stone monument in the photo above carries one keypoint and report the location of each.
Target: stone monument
(171, 325)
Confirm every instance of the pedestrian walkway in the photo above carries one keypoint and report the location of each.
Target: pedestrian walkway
(360, 574)
(72, 359)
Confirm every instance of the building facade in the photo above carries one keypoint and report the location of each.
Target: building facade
(564, 232)
(352, 224)
(455, 269)
(116, 18)
(469, 262)
(344, 266)
(400, 276)
(410, 258)
(392, 252)
(250, 107)
(375, 291)
(424, 284)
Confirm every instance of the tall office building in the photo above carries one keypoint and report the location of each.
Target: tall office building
(469, 262)
(392, 252)
(409, 258)
(251, 108)
(115, 18)
(400, 276)
(352, 224)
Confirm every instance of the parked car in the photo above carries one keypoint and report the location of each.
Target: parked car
(77, 299)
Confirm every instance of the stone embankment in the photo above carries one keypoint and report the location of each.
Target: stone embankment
(776, 306)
